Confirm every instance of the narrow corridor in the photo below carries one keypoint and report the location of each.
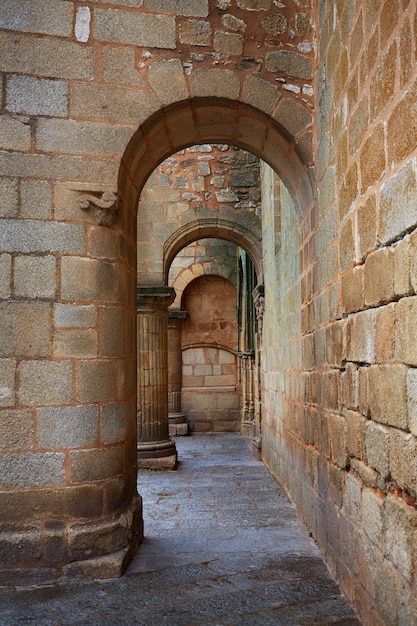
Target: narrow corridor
(223, 545)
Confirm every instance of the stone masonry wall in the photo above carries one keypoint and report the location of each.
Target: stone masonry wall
(344, 439)
(79, 82)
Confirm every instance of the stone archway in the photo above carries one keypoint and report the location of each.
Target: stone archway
(186, 123)
(214, 119)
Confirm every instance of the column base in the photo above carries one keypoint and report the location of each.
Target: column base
(96, 549)
(247, 428)
(177, 423)
(257, 448)
(157, 455)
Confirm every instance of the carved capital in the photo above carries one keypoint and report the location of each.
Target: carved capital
(106, 203)
(154, 298)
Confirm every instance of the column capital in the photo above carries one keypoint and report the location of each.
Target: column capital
(151, 297)
(175, 315)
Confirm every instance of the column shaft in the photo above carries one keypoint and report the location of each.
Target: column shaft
(155, 449)
(177, 419)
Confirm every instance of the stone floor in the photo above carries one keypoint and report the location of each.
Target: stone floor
(223, 546)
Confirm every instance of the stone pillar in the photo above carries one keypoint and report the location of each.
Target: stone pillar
(177, 419)
(155, 449)
(248, 413)
(259, 300)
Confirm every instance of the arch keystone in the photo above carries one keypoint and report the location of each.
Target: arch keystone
(215, 82)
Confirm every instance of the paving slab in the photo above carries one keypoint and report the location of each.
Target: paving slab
(223, 545)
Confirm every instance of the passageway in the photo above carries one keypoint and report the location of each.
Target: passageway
(223, 545)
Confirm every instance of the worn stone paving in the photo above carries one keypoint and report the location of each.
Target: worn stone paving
(223, 546)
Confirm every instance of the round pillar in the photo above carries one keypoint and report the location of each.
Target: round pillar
(155, 450)
(177, 420)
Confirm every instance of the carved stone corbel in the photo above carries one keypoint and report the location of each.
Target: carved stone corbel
(107, 204)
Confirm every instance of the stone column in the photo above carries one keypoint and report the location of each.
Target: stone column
(248, 413)
(155, 449)
(177, 419)
(259, 301)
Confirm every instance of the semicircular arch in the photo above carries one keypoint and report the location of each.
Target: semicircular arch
(211, 119)
(234, 231)
(192, 272)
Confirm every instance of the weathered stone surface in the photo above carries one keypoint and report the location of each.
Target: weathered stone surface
(14, 133)
(274, 24)
(82, 24)
(373, 509)
(377, 446)
(79, 343)
(96, 463)
(379, 277)
(388, 395)
(49, 17)
(138, 29)
(58, 167)
(403, 450)
(36, 199)
(117, 104)
(367, 225)
(412, 399)
(372, 159)
(67, 427)
(401, 522)
(28, 236)
(16, 424)
(346, 246)
(303, 24)
(254, 5)
(233, 23)
(26, 329)
(168, 80)
(196, 33)
(5, 275)
(79, 137)
(216, 82)
(228, 43)
(352, 290)
(89, 280)
(9, 197)
(191, 8)
(260, 93)
(398, 203)
(292, 116)
(360, 337)
(34, 277)
(290, 63)
(34, 96)
(406, 331)
(96, 381)
(114, 423)
(352, 497)
(402, 127)
(73, 315)
(45, 57)
(119, 66)
(34, 391)
(32, 470)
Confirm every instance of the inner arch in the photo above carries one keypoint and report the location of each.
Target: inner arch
(213, 120)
